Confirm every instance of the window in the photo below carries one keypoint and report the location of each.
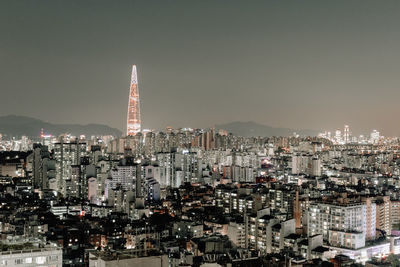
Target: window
(40, 260)
(19, 261)
(28, 260)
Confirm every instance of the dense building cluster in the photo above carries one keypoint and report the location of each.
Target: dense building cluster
(346, 137)
(194, 197)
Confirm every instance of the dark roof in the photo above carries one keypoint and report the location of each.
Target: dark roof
(320, 249)
(293, 236)
(277, 226)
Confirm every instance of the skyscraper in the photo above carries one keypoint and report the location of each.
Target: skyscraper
(133, 122)
(338, 136)
(346, 135)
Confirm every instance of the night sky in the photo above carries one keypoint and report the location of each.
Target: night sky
(299, 64)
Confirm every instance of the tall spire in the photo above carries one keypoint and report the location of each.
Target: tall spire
(133, 122)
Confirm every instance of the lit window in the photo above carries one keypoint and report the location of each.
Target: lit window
(40, 260)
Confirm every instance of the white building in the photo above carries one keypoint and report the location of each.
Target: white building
(237, 233)
(300, 163)
(342, 225)
(316, 167)
(346, 135)
(51, 257)
(125, 176)
(92, 189)
(374, 137)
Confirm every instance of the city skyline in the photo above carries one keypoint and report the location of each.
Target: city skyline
(283, 65)
(262, 134)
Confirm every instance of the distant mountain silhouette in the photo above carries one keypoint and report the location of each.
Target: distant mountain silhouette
(250, 128)
(13, 125)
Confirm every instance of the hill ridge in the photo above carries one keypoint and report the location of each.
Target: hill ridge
(16, 125)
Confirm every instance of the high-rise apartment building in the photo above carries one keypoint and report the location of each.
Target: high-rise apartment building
(383, 214)
(66, 155)
(341, 224)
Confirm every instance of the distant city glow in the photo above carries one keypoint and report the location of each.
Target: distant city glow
(347, 138)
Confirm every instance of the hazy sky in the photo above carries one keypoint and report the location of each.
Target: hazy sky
(300, 64)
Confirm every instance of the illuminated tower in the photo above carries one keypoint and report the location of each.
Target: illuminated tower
(338, 136)
(346, 134)
(133, 123)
